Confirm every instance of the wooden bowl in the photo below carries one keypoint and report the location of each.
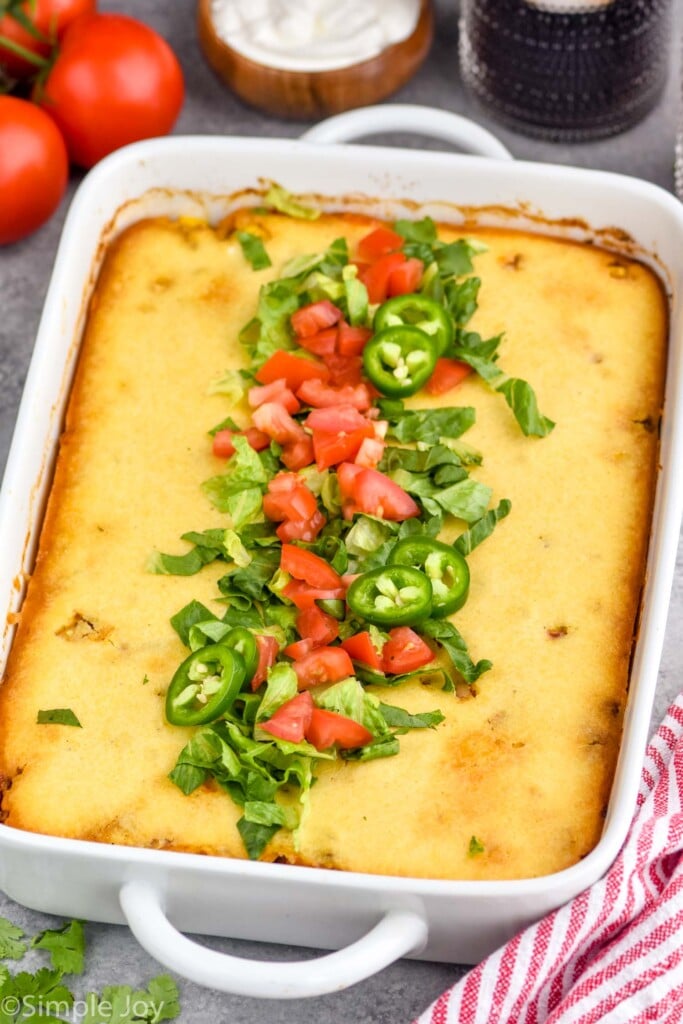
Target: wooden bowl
(306, 95)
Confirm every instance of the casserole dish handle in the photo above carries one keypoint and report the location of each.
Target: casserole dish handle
(398, 933)
(409, 117)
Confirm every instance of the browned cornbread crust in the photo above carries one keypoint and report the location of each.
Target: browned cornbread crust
(525, 763)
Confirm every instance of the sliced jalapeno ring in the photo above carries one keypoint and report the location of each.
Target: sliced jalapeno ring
(445, 567)
(241, 640)
(399, 360)
(205, 685)
(417, 311)
(395, 595)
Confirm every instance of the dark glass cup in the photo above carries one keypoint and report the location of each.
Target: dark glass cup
(566, 70)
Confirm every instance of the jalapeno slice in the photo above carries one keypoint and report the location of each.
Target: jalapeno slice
(417, 311)
(205, 685)
(445, 568)
(241, 640)
(399, 360)
(396, 595)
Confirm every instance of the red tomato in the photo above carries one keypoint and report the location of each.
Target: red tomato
(114, 81)
(301, 529)
(405, 651)
(369, 491)
(298, 454)
(352, 340)
(274, 420)
(288, 497)
(331, 448)
(294, 369)
(344, 369)
(268, 649)
(51, 18)
(376, 277)
(311, 568)
(291, 719)
(324, 343)
(337, 419)
(299, 649)
(448, 373)
(378, 243)
(361, 648)
(370, 452)
(320, 395)
(317, 316)
(304, 596)
(326, 729)
(406, 278)
(323, 665)
(316, 625)
(275, 392)
(224, 448)
(34, 168)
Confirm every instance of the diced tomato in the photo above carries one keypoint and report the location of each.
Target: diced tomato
(369, 491)
(301, 529)
(376, 277)
(224, 448)
(309, 567)
(324, 343)
(268, 648)
(379, 242)
(338, 418)
(370, 452)
(344, 369)
(326, 728)
(275, 392)
(305, 596)
(331, 448)
(274, 420)
(291, 720)
(406, 279)
(448, 373)
(405, 651)
(299, 649)
(323, 665)
(352, 340)
(361, 648)
(317, 316)
(316, 625)
(322, 396)
(298, 454)
(380, 428)
(294, 502)
(294, 369)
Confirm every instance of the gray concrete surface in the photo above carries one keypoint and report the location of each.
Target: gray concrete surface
(646, 151)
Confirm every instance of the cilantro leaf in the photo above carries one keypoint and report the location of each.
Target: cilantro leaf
(58, 716)
(26, 996)
(11, 947)
(163, 992)
(253, 250)
(66, 947)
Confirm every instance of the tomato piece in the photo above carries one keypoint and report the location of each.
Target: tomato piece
(370, 452)
(224, 448)
(288, 497)
(361, 648)
(405, 279)
(405, 651)
(331, 449)
(378, 243)
(115, 81)
(277, 391)
(323, 665)
(337, 419)
(301, 529)
(324, 343)
(316, 625)
(298, 454)
(291, 719)
(274, 420)
(344, 369)
(309, 567)
(448, 373)
(317, 316)
(50, 18)
(376, 277)
(294, 369)
(321, 396)
(268, 649)
(305, 596)
(352, 340)
(369, 491)
(346, 477)
(299, 649)
(327, 729)
(34, 168)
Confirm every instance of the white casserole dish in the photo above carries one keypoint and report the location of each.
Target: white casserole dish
(149, 889)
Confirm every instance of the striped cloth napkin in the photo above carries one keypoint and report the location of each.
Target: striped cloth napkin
(614, 954)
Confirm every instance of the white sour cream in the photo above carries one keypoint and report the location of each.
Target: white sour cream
(313, 35)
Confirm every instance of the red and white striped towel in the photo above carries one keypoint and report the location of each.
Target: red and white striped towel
(614, 954)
